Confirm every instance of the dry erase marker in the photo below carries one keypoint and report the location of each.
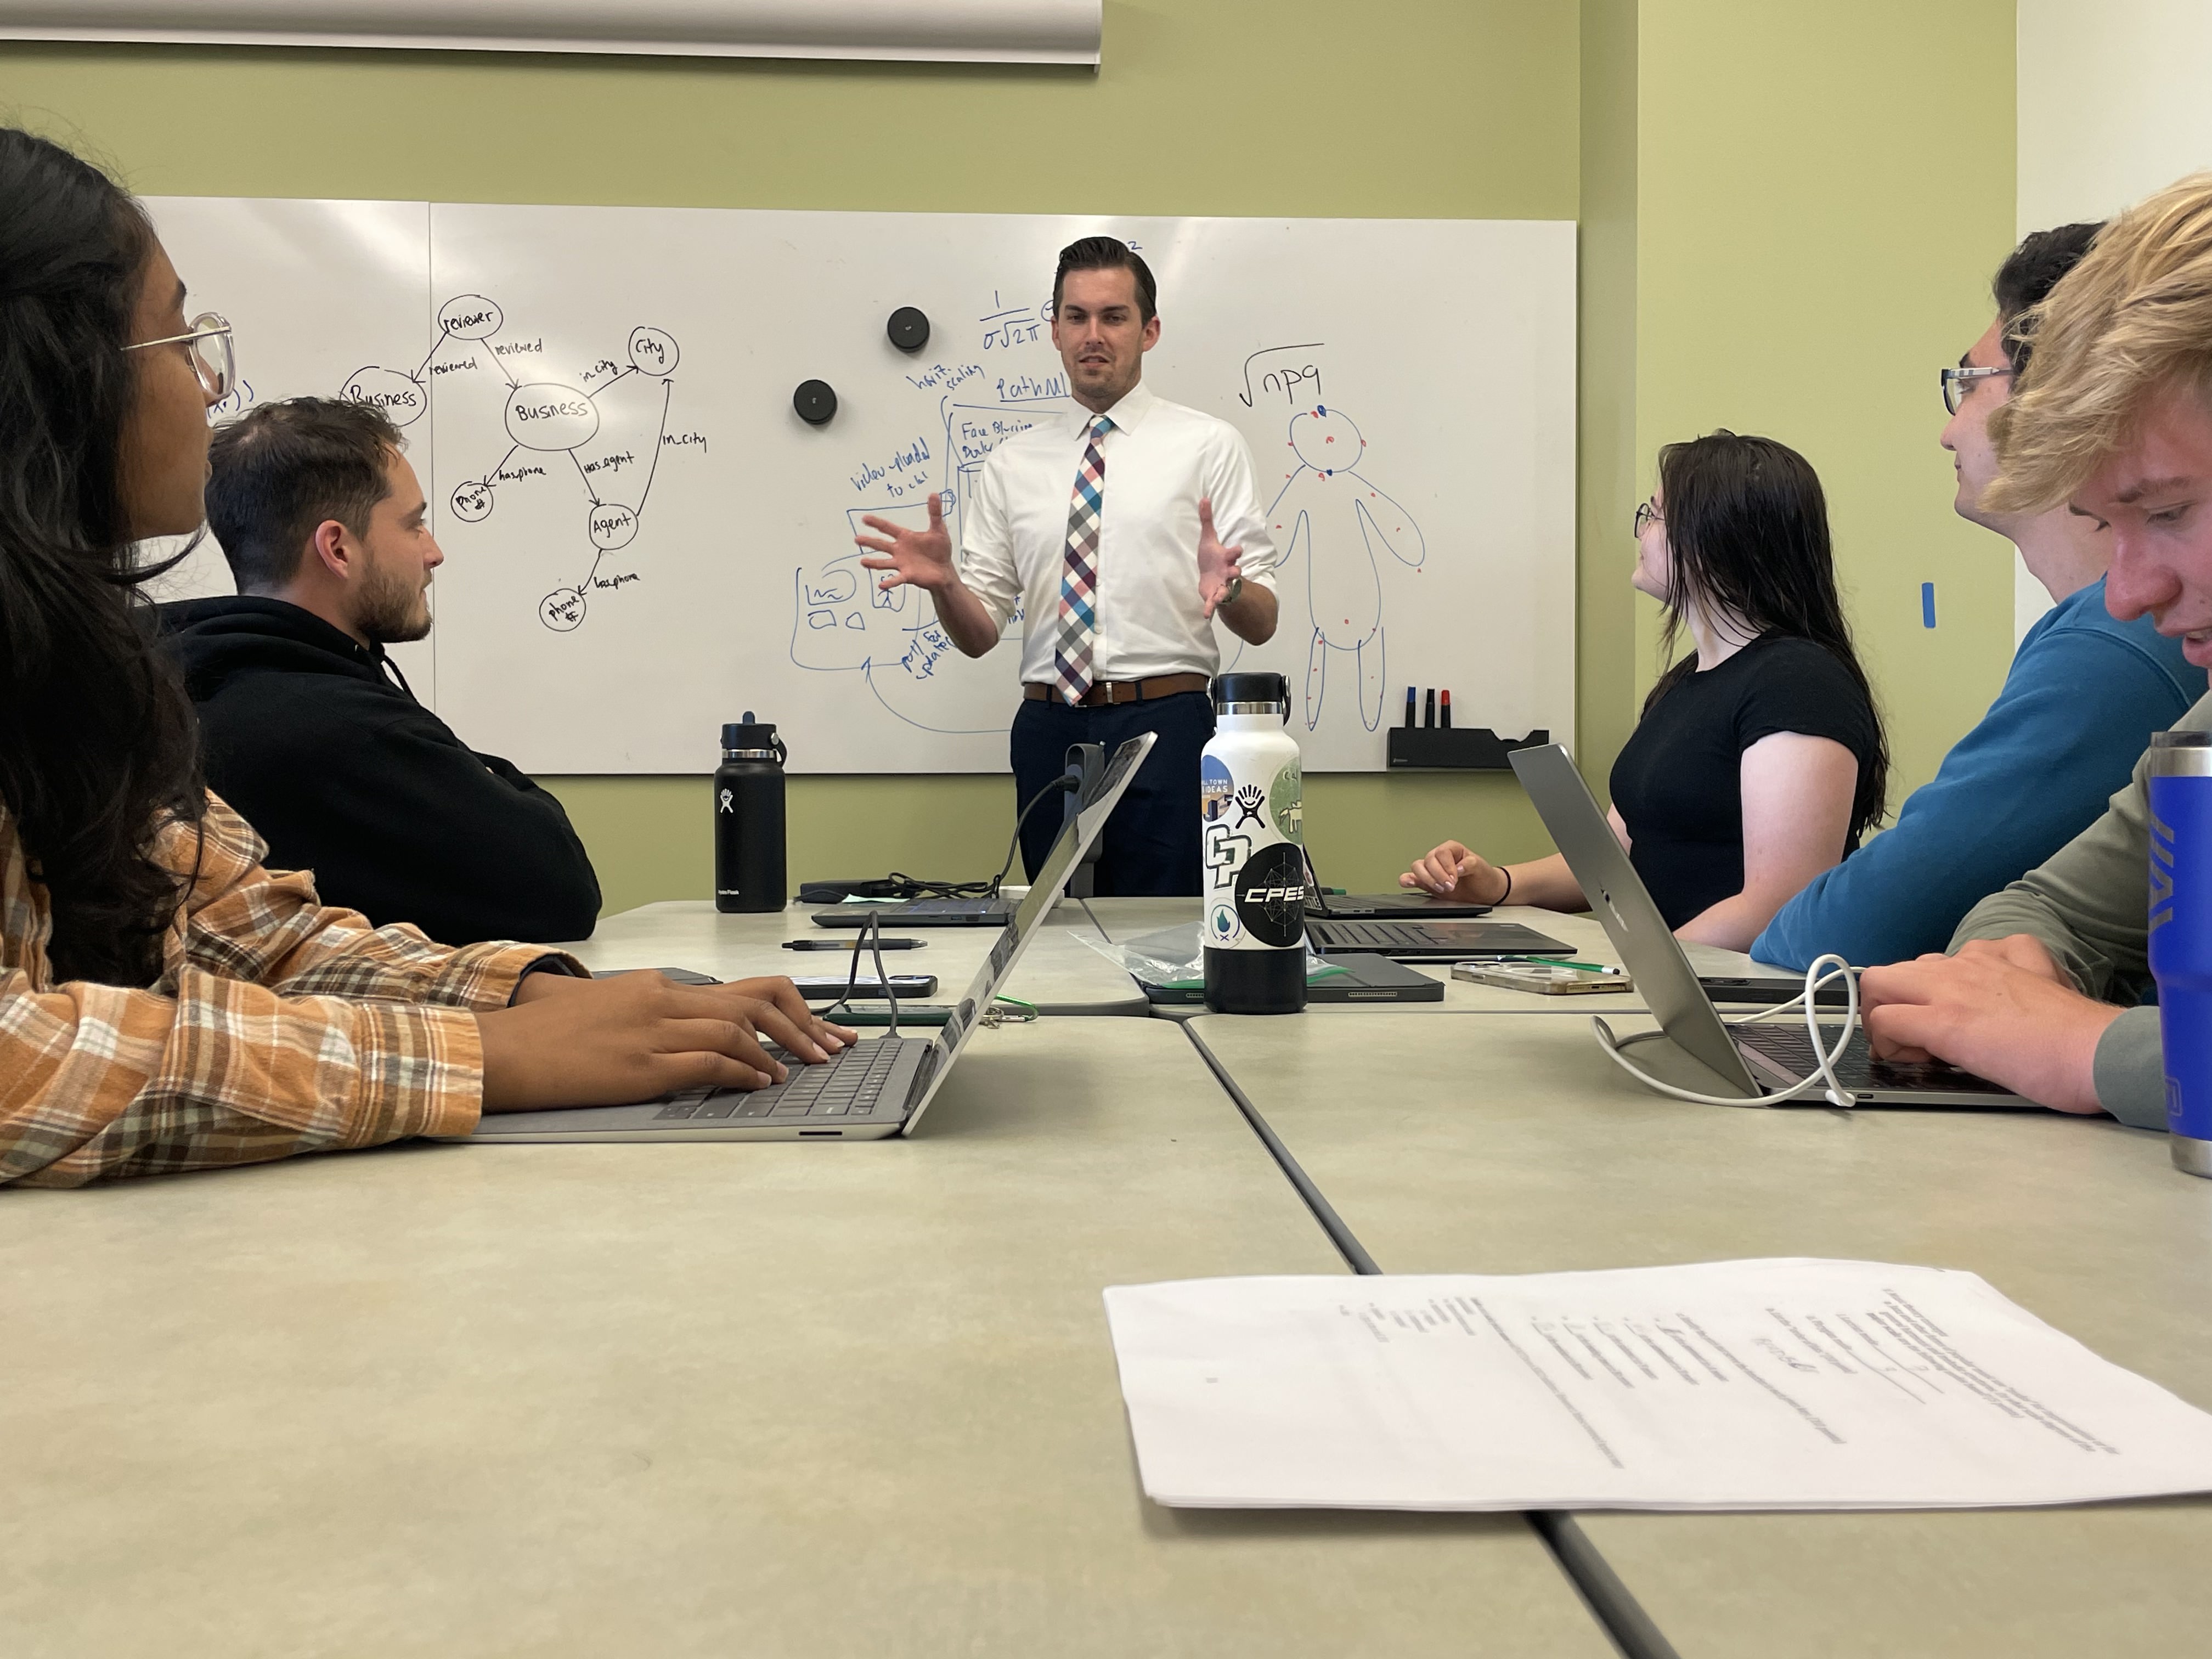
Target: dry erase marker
(1409, 708)
(1447, 709)
(1429, 709)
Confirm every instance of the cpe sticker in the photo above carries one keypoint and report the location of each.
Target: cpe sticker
(1271, 894)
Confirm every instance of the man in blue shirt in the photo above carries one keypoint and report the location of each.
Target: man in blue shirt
(2084, 695)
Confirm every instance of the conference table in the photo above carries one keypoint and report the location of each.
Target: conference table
(794, 1399)
(1127, 919)
(1059, 974)
(767, 1399)
(1062, 973)
(1498, 1143)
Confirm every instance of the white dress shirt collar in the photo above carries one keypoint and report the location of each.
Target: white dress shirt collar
(1126, 416)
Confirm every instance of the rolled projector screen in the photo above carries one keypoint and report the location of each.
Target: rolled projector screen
(916, 31)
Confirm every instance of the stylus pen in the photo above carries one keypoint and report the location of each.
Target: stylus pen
(852, 944)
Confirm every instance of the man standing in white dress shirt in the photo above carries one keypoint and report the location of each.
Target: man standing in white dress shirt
(1122, 531)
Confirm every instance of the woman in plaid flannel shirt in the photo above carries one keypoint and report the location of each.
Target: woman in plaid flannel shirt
(165, 1003)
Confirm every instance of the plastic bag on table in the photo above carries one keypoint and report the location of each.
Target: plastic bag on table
(1173, 959)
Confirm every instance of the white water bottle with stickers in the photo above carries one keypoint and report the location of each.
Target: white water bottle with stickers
(1252, 804)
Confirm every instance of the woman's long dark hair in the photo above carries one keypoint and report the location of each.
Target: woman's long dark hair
(97, 741)
(1746, 524)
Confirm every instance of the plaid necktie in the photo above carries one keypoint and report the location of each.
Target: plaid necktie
(1079, 578)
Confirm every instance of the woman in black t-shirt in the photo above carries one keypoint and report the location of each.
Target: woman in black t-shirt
(1759, 760)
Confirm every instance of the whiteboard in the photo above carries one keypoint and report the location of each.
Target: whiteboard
(643, 539)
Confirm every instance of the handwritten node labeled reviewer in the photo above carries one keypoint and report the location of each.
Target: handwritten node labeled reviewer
(612, 444)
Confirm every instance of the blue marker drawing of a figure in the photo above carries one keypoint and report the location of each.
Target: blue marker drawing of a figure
(1342, 524)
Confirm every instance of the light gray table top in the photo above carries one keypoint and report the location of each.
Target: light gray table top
(1500, 1144)
(1059, 973)
(1127, 918)
(769, 1400)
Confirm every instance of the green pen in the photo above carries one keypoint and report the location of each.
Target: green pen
(1561, 962)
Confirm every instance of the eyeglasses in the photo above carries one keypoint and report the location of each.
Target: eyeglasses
(1646, 516)
(209, 346)
(1958, 382)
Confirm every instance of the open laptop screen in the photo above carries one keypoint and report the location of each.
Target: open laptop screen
(1074, 840)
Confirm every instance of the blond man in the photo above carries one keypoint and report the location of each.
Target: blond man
(2042, 988)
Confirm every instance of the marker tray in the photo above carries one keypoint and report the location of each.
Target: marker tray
(1455, 748)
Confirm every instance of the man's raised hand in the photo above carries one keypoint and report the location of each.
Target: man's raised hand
(1217, 565)
(915, 558)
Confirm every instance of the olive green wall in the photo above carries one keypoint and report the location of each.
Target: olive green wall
(1787, 230)
(1423, 108)
(1820, 209)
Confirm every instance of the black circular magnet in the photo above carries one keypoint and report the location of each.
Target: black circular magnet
(908, 328)
(814, 401)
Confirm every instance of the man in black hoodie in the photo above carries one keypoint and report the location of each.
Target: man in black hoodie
(309, 729)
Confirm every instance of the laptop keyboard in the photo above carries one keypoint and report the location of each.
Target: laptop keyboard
(1787, 1047)
(846, 1085)
(1473, 938)
(1410, 934)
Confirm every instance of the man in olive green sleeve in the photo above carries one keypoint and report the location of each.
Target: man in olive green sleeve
(2085, 908)
(2114, 420)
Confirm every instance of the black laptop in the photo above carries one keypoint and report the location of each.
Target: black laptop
(1406, 905)
(1414, 932)
(924, 913)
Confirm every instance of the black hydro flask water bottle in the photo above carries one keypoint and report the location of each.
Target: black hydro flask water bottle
(749, 818)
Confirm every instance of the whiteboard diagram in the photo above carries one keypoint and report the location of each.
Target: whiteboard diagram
(643, 538)
(1334, 527)
(542, 418)
(843, 621)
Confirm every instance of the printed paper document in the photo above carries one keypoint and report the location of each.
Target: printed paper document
(1790, 1384)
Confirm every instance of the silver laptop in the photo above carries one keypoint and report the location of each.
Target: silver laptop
(876, 1088)
(1752, 1060)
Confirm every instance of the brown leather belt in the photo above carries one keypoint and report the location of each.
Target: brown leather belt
(1105, 693)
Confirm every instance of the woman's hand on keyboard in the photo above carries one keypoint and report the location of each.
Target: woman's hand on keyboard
(613, 1041)
(785, 997)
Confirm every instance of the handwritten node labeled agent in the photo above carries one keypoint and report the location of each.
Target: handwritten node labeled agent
(544, 418)
(1329, 512)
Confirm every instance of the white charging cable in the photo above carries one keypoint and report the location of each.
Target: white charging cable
(1815, 977)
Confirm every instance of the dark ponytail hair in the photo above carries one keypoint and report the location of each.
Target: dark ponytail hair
(1747, 531)
(97, 740)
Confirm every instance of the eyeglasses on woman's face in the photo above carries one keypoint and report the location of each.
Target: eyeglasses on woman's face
(1646, 516)
(208, 345)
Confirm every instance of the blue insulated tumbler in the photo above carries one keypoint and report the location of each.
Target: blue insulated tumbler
(2181, 935)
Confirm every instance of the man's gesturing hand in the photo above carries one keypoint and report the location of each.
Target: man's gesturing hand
(1217, 564)
(915, 558)
(610, 1042)
(1997, 1009)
